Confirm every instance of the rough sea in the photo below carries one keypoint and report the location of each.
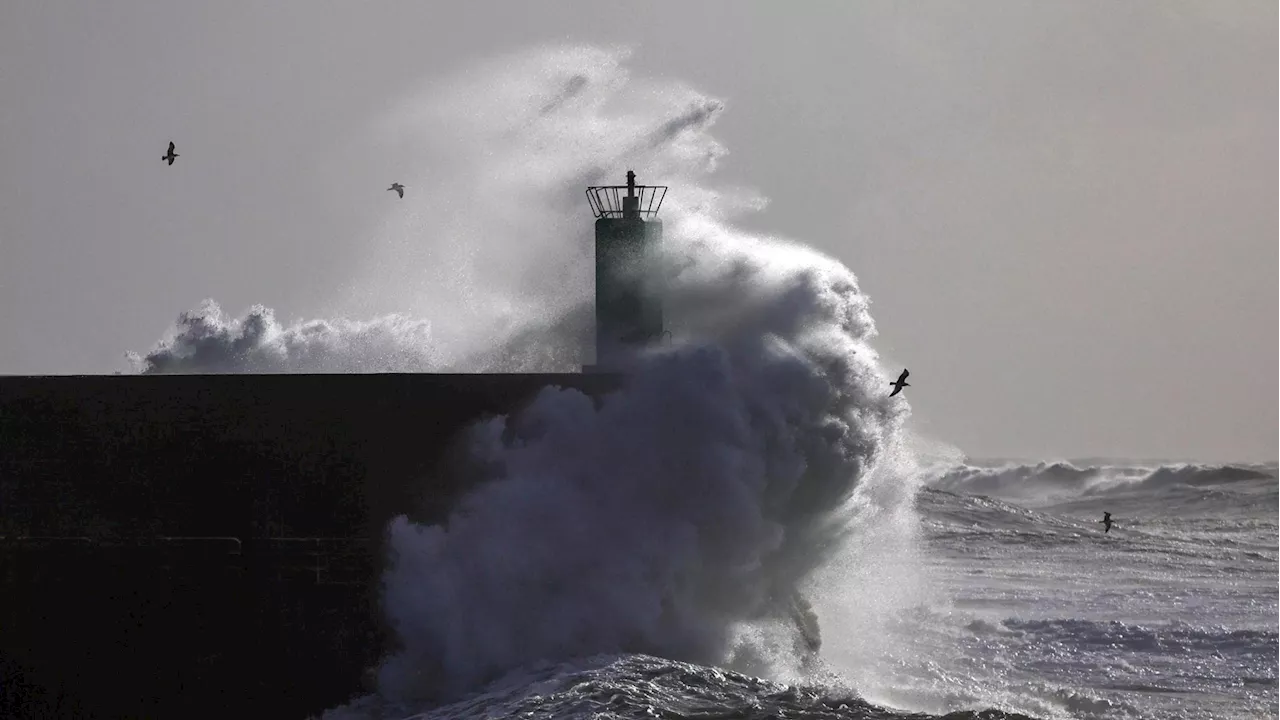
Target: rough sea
(1026, 608)
(750, 528)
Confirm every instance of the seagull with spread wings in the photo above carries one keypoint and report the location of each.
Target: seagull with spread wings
(900, 383)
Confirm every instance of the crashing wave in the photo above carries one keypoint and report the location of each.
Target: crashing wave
(1060, 481)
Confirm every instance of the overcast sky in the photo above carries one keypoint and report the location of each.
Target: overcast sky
(1065, 213)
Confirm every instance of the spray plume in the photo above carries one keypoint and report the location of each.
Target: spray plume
(681, 509)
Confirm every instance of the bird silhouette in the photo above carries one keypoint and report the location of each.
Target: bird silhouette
(398, 188)
(1106, 522)
(900, 383)
(171, 154)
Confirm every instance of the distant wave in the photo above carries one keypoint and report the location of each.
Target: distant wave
(1200, 475)
(1056, 481)
(1177, 636)
(977, 515)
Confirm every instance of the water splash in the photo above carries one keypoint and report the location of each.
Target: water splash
(680, 515)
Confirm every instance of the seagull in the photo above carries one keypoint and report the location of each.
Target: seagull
(171, 154)
(900, 383)
(398, 188)
(1106, 522)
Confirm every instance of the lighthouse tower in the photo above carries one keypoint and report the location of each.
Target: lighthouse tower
(628, 233)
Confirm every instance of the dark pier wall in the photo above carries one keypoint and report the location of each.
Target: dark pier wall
(200, 546)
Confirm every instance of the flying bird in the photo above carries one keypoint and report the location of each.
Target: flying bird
(171, 154)
(900, 383)
(1106, 522)
(398, 188)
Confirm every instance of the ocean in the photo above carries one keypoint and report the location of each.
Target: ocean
(1021, 606)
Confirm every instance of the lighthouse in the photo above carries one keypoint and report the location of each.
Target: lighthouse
(628, 235)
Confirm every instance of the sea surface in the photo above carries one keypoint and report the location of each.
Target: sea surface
(1021, 605)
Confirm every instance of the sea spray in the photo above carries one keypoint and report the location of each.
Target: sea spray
(680, 510)
(205, 340)
(692, 500)
(487, 264)
(687, 505)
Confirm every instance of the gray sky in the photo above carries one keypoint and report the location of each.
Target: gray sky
(1064, 212)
